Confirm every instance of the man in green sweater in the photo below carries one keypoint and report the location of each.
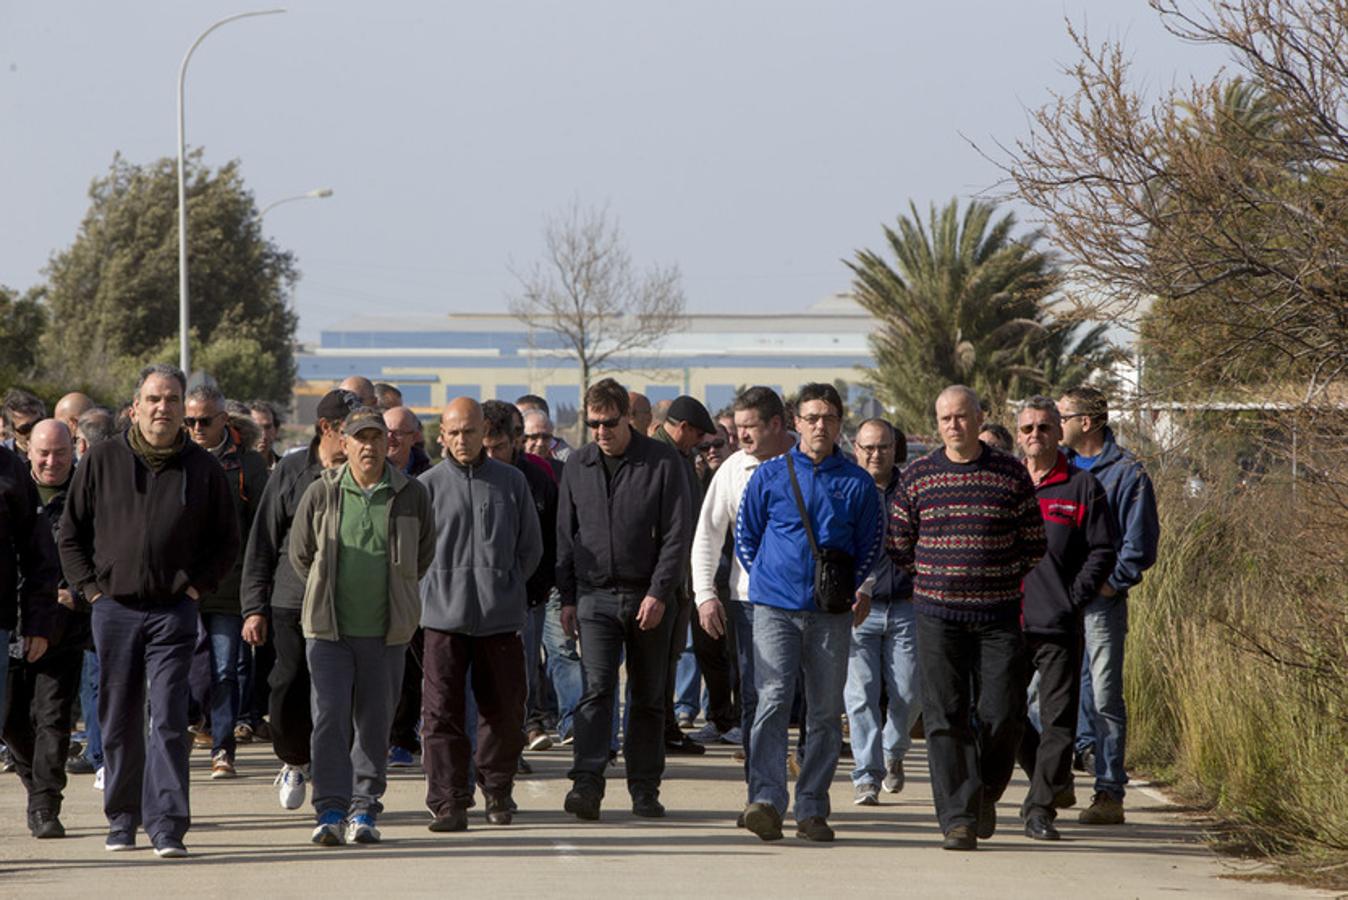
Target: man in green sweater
(362, 538)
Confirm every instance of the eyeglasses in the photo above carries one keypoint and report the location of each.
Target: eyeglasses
(1066, 416)
(826, 418)
(542, 436)
(873, 449)
(596, 424)
(204, 421)
(26, 427)
(401, 433)
(1045, 427)
(706, 446)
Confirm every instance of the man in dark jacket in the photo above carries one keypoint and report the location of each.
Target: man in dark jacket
(487, 544)
(149, 527)
(504, 442)
(1102, 724)
(272, 592)
(45, 676)
(1080, 534)
(208, 425)
(623, 533)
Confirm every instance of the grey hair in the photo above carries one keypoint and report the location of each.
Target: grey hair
(535, 413)
(163, 370)
(97, 425)
(963, 391)
(206, 393)
(1042, 404)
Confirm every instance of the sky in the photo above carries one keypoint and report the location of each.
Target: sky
(754, 143)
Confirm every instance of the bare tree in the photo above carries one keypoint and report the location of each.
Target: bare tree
(587, 291)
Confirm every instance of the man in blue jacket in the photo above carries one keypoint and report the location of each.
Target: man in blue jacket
(793, 636)
(1103, 720)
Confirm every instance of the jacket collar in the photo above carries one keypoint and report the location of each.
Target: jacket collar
(476, 465)
(1060, 473)
(396, 480)
(638, 450)
(833, 460)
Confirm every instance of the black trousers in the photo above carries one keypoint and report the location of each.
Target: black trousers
(408, 711)
(37, 728)
(608, 626)
(716, 662)
(1046, 756)
(681, 611)
(291, 722)
(968, 768)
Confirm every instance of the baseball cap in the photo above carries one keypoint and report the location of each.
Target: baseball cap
(363, 418)
(691, 411)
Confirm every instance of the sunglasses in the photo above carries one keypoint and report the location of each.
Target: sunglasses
(596, 424)
(1037, 426)
(24, 428)
(716, 444)
(204, 421)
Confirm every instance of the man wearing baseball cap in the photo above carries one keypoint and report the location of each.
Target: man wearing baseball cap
(685, 426)
(271, 593)
(359, 611)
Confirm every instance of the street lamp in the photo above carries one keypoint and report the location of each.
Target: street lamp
(184, 351)
(315, 194)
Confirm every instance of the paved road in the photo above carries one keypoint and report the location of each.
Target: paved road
(245, 845)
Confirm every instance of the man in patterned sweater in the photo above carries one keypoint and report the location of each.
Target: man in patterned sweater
(966, 523)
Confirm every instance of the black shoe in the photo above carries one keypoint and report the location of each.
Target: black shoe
(1040, 827)
(763, 820)
(80, 765)
(1084, 761)
(987, 820)
(739, 821)
(960, 837)
(454, 820)
(1065, 799)
(43, 823)
(814, 829)
(500, 810)
(647, 806)
(684, 746)
(523, 767)
(582, 804)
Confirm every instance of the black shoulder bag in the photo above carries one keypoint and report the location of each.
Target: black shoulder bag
(834, 570)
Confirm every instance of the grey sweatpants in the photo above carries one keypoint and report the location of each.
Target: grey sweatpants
(355, 683)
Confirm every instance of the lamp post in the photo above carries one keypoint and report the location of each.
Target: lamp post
(315, 194)
(184, 350)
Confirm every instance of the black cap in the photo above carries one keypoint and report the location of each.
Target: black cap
(336, 404)
(692, 412)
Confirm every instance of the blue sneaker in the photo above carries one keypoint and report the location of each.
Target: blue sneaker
(329, 832)
(400, 758)
(120, 840)
(362, 830)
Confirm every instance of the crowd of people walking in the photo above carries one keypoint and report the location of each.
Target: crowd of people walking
(186, 583)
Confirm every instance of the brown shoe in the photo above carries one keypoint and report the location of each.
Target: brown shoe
(960, 837)
(222, 766)
(1104, 810)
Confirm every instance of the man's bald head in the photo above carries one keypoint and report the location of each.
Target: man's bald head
(462, 429)
(362, 387)
(403, 427)
(70, 407)
(51, 452)
(639, 407)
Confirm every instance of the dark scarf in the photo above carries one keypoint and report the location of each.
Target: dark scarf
(155, 457)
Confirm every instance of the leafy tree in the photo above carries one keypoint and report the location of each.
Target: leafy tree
(966, 303)
(22, 321)
(113, 294)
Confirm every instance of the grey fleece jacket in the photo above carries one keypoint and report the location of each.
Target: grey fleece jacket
(487, 544)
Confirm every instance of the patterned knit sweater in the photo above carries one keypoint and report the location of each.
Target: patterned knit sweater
(969, 532)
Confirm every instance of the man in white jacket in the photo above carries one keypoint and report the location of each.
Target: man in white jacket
(760, 423)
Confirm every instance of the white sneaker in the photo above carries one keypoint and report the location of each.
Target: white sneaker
(98, 779)
(292, 784)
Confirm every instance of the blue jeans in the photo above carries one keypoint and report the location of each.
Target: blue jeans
(563, 665)
(1102, 719)
(224, 631)
(688, 682)
(884, 651)
(789, 643)
(93, 735)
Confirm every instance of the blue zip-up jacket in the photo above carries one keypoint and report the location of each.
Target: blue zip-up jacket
(891, 582)
(1132, 500)
(770, 541)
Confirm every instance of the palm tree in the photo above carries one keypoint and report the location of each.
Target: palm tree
(966, 303)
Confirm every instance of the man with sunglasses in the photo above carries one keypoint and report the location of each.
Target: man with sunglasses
(1080, 534)
(1102, 723)
(21, 411)
(209, 427)
(623, 530)
(798, 635)
(966, 526)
